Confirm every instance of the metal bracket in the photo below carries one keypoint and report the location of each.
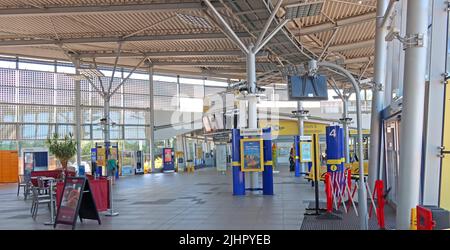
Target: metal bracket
(303, 114)
(414, 40)
(446, 77)
(377, 86)
(346, 120)
(443, 152)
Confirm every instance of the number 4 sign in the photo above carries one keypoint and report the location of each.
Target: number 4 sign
(333, 133)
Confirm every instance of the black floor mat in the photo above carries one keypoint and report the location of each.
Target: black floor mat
(349, 220)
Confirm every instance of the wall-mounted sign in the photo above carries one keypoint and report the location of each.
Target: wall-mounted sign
(252, 155)
(251, 132)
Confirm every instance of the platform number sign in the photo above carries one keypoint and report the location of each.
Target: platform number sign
(333, 168)
(333, 133)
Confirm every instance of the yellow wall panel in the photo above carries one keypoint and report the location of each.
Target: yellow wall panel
(445, 170)
(290, 128)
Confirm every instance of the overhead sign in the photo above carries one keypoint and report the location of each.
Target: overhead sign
(251, 132)
(305, 138)
(290, 128)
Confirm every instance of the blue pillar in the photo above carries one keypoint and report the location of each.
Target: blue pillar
(268, 167)
(335, 149)
(297, 155)
(238, 175)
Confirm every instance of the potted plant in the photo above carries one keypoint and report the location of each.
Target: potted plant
(62, 148)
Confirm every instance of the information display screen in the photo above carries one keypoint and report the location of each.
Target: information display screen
(308, 88)
(252, 155)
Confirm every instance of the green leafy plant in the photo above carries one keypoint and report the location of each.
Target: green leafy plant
(63, 148)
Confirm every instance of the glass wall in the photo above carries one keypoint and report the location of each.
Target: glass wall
(37, 99)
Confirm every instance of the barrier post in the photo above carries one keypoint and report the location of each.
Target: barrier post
(268, 165)
(379, 187)
(238, 175)
(328, 193)
(297, 155)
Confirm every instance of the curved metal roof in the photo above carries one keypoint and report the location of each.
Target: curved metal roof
(184, 34)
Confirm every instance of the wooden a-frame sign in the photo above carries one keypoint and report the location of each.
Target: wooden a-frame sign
(76, 201)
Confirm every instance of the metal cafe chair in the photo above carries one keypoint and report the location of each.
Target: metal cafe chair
(41, 195)
(24, 182)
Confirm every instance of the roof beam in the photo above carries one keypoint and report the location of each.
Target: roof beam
(96, 9)
(108, 54)
(115, 39)
(339, 23)
(358, 60)
(207, 63)
(200, 63)
(349, 46)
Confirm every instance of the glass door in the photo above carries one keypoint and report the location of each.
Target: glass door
(392, 150)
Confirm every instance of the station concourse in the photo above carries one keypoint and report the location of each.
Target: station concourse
(175, 114)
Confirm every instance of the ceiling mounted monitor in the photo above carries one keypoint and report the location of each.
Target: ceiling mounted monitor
(308, 88)
(303, 9)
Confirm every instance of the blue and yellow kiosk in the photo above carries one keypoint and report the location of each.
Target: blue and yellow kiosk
(252, 153)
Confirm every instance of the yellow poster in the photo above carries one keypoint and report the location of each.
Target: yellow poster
(101, 157)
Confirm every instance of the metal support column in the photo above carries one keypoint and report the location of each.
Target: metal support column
(362, 194)
(436, 104)
(78, 117)
(413, 109)
(152, 120)
(301, 132)
(106, 127)
(345, 123)
(252, 101)
(377, 95)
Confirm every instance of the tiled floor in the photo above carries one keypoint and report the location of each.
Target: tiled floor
(202, 200)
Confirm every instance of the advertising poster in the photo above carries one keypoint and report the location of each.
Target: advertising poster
(67, 212)
(101, 157)
(305, 152)
(167, 155)
(252, 155)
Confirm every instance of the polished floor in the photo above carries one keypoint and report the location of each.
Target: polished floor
(199, 201)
